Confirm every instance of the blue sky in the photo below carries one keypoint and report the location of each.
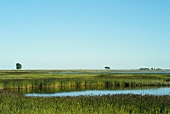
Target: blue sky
(86, 34)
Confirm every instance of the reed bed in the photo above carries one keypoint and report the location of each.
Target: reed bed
(42, 83)
(41, 79)
(109, 104)
(11, 103)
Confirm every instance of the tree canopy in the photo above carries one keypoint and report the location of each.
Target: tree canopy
(18, 66)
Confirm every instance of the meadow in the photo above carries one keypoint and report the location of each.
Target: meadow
(49, 78)
(12, 103)
(108, 104)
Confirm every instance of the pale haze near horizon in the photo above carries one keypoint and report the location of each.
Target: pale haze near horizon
(89, 34)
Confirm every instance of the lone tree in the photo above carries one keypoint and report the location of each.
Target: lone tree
(107, 67)
(18, 66)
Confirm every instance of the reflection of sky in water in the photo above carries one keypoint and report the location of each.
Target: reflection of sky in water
(119, 72)
(158, 91)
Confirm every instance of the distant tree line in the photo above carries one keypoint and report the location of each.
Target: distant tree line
(150, 69)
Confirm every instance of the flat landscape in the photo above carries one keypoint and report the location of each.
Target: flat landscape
(15, 83)
(84, 57)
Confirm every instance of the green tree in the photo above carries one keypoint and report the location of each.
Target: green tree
(18, 66)
(107, 68)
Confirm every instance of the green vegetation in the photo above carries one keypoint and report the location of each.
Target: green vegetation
(18, 66)
(109, 104)
(40, 79)
(12, 103)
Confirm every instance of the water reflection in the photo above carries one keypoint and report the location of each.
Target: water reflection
(115, 72)
(93, 92)
(63, 89)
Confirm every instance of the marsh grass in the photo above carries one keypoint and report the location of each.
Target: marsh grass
(108, 104)
(28, 81)
(40, 79)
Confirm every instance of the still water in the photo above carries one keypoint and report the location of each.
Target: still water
(147, 91)
(116, 72)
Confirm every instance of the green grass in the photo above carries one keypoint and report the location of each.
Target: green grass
(52, 78)
(11, 103)
(109, 104)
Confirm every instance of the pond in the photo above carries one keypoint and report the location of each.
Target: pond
(113, 72)
(141, 91)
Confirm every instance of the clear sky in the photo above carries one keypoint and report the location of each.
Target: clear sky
(84, 34)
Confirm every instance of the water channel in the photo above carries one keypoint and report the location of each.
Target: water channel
(116, 72)
(94, 92)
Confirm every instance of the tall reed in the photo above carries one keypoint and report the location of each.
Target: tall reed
(109, 104)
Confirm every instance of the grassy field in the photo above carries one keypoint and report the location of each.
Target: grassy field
(58, 78)
(12, 103)
(109, 104)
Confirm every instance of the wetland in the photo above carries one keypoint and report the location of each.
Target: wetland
(84, 91)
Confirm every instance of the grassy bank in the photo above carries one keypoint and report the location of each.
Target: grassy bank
(11, 103)
(108, 104)
(42, 79)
